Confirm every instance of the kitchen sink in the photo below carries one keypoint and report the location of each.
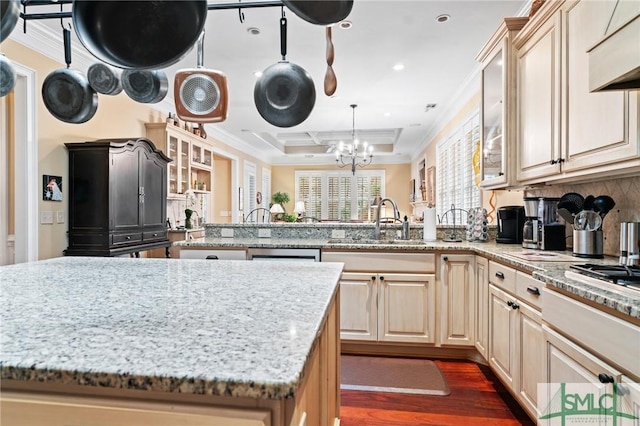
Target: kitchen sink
(371, 241)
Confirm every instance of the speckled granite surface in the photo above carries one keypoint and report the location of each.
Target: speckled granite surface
(552, 273)
(192, 326)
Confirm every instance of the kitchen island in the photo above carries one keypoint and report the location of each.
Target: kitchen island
(169, 341)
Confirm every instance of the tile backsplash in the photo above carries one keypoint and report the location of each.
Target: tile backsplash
(625, 192)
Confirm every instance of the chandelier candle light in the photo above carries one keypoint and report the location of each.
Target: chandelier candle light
(354, 154)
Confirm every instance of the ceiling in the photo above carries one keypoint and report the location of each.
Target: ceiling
(398, 111)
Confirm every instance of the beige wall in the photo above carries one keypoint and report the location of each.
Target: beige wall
(116, 117)
(397, 182)
(222, 201)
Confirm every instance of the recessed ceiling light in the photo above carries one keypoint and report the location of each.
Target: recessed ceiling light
(387, 114)
(398, 67)
(345, 25)
(253, 30)
(443, 18)
(414, 125)
(258, 73)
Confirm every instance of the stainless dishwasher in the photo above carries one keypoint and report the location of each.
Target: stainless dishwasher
(292, 254)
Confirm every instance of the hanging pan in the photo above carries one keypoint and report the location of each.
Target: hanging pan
(105, 79)
(9, 14)
(139, 34)
(320, 12)
(66, 93)
(284, 94)
(7, 76)
(201, 95)
(146, 87)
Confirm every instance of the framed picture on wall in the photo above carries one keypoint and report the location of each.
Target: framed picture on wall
(51, 188)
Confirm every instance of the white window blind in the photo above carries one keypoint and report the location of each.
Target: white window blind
(454, 181)
(330, 195)
(249, 186)
(266, 188)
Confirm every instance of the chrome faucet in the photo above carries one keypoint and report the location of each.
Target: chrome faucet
(396, 215)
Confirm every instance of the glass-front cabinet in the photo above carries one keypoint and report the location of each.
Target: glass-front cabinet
(192, 165)
(497, 107)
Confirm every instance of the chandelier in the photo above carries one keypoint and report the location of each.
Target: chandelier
(354, 154)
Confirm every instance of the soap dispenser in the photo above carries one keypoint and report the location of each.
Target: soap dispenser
(405, 228)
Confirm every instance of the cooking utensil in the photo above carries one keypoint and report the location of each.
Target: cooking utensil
(571, 201)
(139, 34)
(603, 204)
(587, 220)
(566, 215)
(66, 93)
(9, 14)
(7, 76)
(105, 79)
(588, 202)
(330, 81)
(284, 94)
(320, 12)
(147, 87)
(201, 95)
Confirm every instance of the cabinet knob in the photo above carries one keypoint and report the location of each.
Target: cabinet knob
(155, 235)
(445, 258)
(500, 275)
(509, 303)
(515, 306)
(500, 173)
(560, 160)
(128, 238)
(533, 290)
(373, 277)
(605, 378)
(552, 162)
(381, 278)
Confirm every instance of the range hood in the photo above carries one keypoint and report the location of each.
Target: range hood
(614, 62)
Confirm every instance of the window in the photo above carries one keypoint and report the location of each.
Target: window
(249, 186)
(342, 196)
(266, 188)
(454, 182)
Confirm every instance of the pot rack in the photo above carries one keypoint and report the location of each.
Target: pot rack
(67, 14)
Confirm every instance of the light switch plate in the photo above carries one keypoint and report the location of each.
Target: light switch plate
(338, 233)
(226, 233)
(264, 233)
(46, 217)
(60, 216)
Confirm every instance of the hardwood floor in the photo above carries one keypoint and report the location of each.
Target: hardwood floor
(477, 398)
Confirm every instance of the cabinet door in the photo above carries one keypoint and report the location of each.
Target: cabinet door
(172, 152)
(125, 190)
(539, 102)
(532, 361)
(153, 174)
(502, 335)
(406, 308)
(594, 128)
(457, 301)
(482, 305)
(358, 306)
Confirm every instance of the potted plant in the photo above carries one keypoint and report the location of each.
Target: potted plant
(187, 222)
(280, 198)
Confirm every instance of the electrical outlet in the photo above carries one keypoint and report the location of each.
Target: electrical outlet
(60, 217)
(46, 217)
(338, 233)
(226, 233)
(264, 233)
(223, 213)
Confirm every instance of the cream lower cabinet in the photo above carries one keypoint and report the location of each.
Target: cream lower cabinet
(457, 299)
(516, 341)
(386, 305)
(482, 306)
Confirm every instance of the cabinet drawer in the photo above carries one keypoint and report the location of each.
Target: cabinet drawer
(154, 235)
(132, 237)
(382, 262)
(528, 289)
(502, 276)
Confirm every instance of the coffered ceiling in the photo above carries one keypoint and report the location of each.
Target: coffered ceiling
(398, 111)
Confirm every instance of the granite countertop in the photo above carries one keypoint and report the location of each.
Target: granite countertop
(233, 328)
(626, 301)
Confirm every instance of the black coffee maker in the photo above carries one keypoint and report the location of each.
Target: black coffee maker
(510, 224)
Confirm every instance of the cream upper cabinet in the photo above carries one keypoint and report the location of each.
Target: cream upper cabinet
(386, 296)
(566, 132)
(192, 165)
(457, 299)
(482, 305)
(497, 107)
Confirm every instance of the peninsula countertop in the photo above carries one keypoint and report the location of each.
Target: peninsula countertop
(552, 273)
(234, 328)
